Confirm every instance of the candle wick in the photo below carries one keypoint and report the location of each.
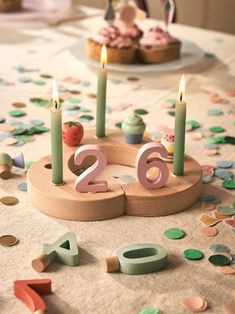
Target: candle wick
(56, 105)
(181, 96)
(102, 65)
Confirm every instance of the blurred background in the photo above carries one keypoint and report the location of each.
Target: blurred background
(216, 15)
(209, 14)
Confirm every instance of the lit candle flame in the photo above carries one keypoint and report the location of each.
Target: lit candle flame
(55, 96)
(103, 57)
(182, 88)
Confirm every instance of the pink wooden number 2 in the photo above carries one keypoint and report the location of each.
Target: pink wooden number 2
(143, 164)
(85, 182)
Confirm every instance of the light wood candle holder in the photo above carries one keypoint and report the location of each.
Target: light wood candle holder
(64, 202)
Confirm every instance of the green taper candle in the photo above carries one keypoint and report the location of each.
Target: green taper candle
(179, 142)
(101, 95)
(56, 139)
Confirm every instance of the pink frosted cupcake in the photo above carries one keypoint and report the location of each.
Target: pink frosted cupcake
(158, 46)
(120, 39)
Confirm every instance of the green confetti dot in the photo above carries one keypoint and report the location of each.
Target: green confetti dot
(216, 129)
(83, 109)
(18, 131)
(172, 101)
(86, 118)
(193, 254)
(41, 129)
(141, 111)
(28, 164)
(149, 310)
(171, 113)
(226, 210)
(46, 76)
(219, 260)
(216, 140)
(24, 138)
(74, 100)
(194, 124)
(229, 184)
(39, 82)
(118, 125)
(41, 102)
(174, 233)
(17, 113)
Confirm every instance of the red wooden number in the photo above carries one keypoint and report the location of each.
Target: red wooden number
(85, 182)
(143, 164)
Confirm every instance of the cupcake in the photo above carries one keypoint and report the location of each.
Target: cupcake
(158, 46)
(10, 5)
(133, 128)
(120, 39)
(167, 140)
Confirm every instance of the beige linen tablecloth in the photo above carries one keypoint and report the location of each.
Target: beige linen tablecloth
(87, 288)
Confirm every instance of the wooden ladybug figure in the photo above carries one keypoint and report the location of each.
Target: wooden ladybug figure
(72, 133)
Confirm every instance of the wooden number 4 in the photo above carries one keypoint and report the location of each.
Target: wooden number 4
(143, 164)
(85, 182)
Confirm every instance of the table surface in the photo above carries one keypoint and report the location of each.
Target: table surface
(88, 288)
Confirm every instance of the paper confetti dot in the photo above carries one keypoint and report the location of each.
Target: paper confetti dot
(216, 140)
(24, 79)
(19, 105)
(214, 112)
(85, 83)
(118, 125)
(207, 206)
(41, 102)
(9, 200)
(208, 198)
(216, 129)
(223, 164)
(193, 303)
(229, 184)
(39, 82)
(171, 113)
(10, 141)
(17, 113)
(174, 233)
(209, 55)
(210, 146)
(74, 100)
(208, 231)
(127, 178)
(36, 122)
(140, 111)
(149, 310)
(22, 186)
(115, 81)
(218, 248)
(208, 220)
(193, 124)
(226, 210)
(193, 254)
(86, 118)
(2, 119)
(218, 260)
(225, 270)
(223, 174)
(28, 164)
(46, 76)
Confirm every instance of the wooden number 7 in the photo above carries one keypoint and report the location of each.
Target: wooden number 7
(143, 164)
(85, 182)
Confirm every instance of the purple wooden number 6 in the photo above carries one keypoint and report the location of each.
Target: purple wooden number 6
(143, 164)
(85, 183)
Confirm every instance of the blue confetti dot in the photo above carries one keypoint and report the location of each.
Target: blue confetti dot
(219, 248)
(24, 79)
(22, 186)
(223, 174)
(214, 112)
(36, 122)
(210, 146)
(209, 55)
(223, 164)
(115, 81)
(85, 83)
(212, 199)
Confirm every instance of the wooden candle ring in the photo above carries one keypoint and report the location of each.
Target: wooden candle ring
(64, 202)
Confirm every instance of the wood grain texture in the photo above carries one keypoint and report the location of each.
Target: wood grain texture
(132, 199)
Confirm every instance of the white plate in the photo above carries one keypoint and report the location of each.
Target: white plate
(191, 54)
